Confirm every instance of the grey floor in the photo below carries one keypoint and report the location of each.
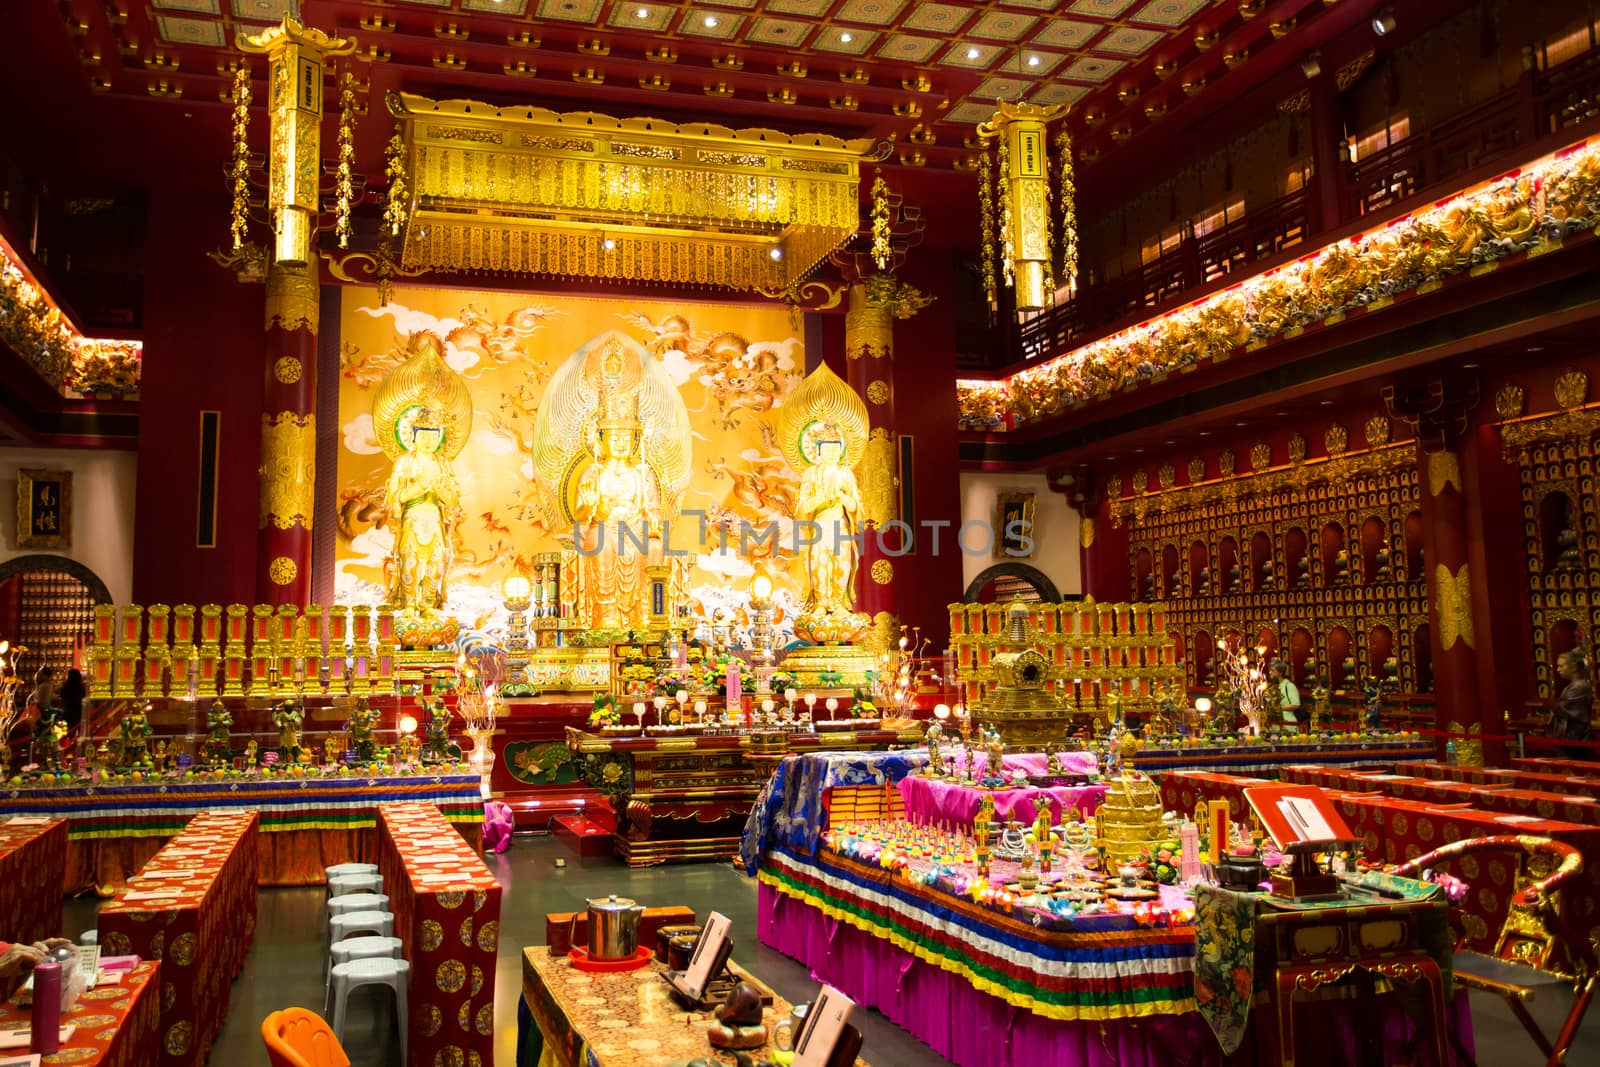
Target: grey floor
(284, 966)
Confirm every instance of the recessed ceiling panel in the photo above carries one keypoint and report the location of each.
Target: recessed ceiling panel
(201, 32)
(781, 33)
(908, 48)
(1168, 12)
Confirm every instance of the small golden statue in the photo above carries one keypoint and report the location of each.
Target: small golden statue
(288, 719)
(250, 749)
(217, 749)
(359, 730)
(822, 429)
(422, 416)
(332, 751)
(136, 731)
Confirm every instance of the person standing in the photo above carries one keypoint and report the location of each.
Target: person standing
(1570, 717)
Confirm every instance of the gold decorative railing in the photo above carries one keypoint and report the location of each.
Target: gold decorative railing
(241, 650)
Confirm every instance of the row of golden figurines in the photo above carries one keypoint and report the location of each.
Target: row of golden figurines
(1081, 617)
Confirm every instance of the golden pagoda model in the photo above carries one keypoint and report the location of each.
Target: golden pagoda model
(1023, 708)
(1129, 819)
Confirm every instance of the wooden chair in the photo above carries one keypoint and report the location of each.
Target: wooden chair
(296, 1037)
(1536, 951)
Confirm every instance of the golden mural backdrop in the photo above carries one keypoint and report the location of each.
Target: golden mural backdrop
(731, 365)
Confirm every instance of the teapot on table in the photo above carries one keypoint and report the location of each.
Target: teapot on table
(613, 928)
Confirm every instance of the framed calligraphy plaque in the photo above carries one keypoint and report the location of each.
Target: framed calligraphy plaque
(44, 508)
(1012, 532)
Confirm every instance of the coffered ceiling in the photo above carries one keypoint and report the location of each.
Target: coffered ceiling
(920, 73)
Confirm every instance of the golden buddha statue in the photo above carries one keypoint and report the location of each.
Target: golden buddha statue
(422, 415)
(611, 443)
(822, 429)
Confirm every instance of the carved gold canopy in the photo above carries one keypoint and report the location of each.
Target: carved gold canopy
(526, 190)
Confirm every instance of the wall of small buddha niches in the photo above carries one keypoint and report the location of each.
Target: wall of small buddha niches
(1555, 454)
(1319, 560)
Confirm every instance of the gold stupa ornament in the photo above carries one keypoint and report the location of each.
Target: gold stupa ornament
(822, 430)
(422, 416)
(1129, 818)
(1024, 707)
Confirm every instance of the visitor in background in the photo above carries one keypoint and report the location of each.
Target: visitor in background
(44, 692)
(1569, 719)
(72, 693)
(1288, 693)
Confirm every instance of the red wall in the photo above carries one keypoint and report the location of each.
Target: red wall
(203, 350)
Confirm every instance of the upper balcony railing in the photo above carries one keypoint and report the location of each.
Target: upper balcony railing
(1541, 103)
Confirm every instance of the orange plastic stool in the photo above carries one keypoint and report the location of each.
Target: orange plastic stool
(296, 1037)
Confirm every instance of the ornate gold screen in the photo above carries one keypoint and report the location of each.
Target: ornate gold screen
(585, 195)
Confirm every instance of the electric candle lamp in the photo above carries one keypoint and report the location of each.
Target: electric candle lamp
(790, 694)
(832, 704)
(941, 711)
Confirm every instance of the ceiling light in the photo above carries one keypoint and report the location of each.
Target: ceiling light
(711, 22)
(642, 13)
(1383, 22)
(608, 244)
(1311, 65)
(973, 53)
(1034, 61)
(847, 37)
(776, 254)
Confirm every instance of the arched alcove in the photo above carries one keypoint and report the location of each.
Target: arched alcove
(1199, 568)
(1414, 571)
(1341, 665)
(1295, 564)
(1170, 583)
(1262, 576)
(1558, 531)
(1302, 656)
(1335, 561)
(1006, 581)
(1376, 566)
(1204, 658)
(46, 604)
(1422, 656)
(1228, 564)
(1144, 575)
(1381, 659)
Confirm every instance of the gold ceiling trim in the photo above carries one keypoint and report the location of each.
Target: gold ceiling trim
(529, 190)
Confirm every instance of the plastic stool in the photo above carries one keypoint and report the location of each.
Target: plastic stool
(343, 927)
(344, 884)
(357, 973)
(357, 902)
(89, 937)
(339, 870)
(361, 948)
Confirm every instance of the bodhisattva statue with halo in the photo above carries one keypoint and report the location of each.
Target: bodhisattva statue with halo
(422, 415)
(612, 445)
(822, 429)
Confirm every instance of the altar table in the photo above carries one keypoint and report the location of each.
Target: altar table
(1554, 765)
(446, 907)
(193, 907)
(33, 857)
(984, 990)
(939, 803)
(116, 1025)
(1393, 830)
(1266, 758)
(1502, 799)
(567, 1018)
(1539, 781)
(307, 824)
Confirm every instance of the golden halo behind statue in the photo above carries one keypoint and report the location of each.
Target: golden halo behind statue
(822, 408)
(422, 385)
(615, 371)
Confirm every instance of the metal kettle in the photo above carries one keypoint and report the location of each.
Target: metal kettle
(613, 928)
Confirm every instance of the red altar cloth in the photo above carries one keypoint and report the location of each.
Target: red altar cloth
(446, 908)
(193, 907)
(33, 859)
(116, 1025)
(975, 1029)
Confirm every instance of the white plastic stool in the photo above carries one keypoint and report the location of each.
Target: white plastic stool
(346, 926)
(339, 870)
(357, 902)
(357, 973)
(362, 948)
(89, 937)
(345, 884)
